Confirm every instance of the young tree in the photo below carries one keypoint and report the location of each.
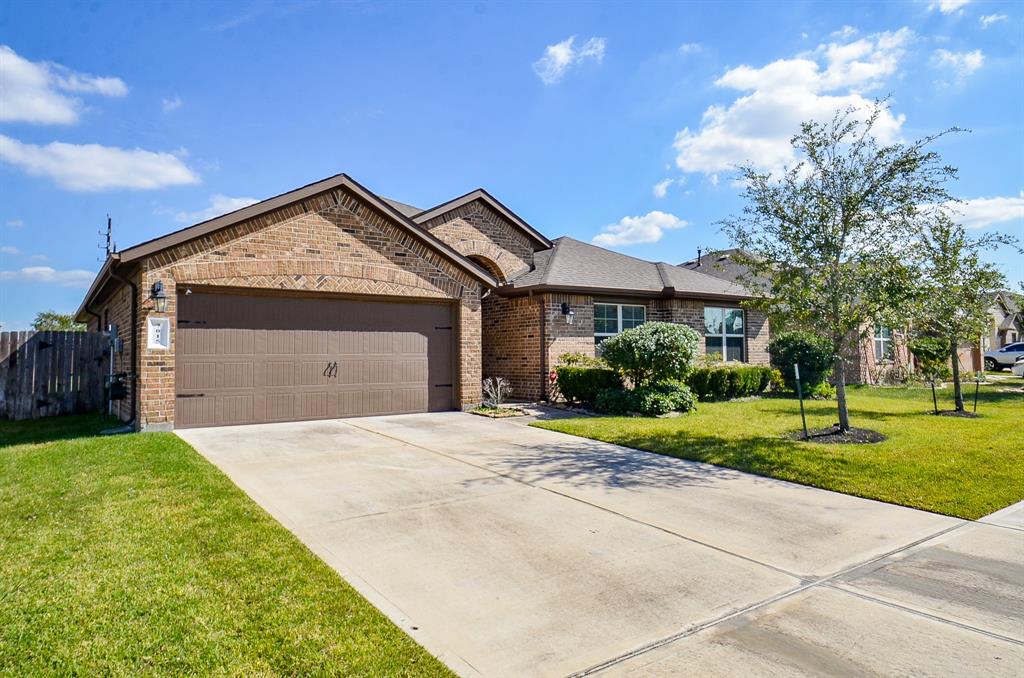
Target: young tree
(51, 321)
(824, 242)
(956, 286)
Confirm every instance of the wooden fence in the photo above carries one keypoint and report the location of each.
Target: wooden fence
(43, 374)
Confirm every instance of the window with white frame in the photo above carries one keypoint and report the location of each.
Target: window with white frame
(883, 343)
(723, 332)
(610, 319)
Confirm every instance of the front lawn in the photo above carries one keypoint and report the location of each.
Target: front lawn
(131, 555)
(960, 467)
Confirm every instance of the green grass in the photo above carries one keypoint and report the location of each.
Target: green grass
(959, 467)
(131, 555)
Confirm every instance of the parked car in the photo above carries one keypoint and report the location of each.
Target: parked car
(1018, 367)
(1006, 356)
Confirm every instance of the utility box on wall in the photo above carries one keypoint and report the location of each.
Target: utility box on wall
(158, 333)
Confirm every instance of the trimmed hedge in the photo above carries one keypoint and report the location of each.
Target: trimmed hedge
(650, 400)
(652, 353)
(731, 381)
(582, 384)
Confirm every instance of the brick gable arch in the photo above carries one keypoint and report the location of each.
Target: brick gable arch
(475, 230)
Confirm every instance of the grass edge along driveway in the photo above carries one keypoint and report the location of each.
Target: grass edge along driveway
(965, 468)
(132, 555)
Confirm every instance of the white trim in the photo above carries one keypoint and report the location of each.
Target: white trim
(618, 317)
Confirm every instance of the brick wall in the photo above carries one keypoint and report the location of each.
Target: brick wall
(330, 243)
(477, 230)
(690, 312)
(117, 310)
(512, 343)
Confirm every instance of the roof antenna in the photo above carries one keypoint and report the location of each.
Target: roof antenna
(106, 247)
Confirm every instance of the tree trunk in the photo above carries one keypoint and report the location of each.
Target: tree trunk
(958, 394)
(839, 370)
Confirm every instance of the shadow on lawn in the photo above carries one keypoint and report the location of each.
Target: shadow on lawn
(49, 429)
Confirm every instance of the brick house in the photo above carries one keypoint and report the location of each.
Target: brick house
(880, 357)
(332, 301)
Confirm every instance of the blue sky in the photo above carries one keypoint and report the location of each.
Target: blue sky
(614, 122)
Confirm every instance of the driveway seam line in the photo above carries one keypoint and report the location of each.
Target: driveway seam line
(667, 640)
(922, 613)
(637, 521)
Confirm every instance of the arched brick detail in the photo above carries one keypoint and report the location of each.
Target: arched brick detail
(506, 262)
(475, 229)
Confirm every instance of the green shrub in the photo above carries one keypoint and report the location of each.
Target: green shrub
(649, 400)
(822, 391)
(932, 358)
(812, 352)
(581, 384)
(614, 401)
(653, 352)
(731, 381)
(581, 360)
(668, 396)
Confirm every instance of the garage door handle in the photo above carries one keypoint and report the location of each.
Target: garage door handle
(190, 395)
(442, 385)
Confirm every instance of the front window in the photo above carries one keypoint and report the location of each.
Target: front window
(610, 319)
(723, 333)
(883, 343)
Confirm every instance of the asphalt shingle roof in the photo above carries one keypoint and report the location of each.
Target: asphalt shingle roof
(571, 263)
(405, 209)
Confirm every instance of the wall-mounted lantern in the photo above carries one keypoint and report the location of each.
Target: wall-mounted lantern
(569, 314)
(159, 296)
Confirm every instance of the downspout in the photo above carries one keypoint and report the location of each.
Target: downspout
(543, 346)
(135, 341)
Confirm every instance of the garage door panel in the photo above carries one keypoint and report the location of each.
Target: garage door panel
(279, 406)
(197, 376)
(280, 373)
(234, 409)
(278, 358)
(279, 341)
(235, 375)
(235, 342)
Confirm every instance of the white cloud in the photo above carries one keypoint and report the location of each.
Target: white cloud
(948, 6)
(660, 189)
(757, 126)
(634, 230)
(559, 58)
(219, 204)
(990, 19)
(91, 167)
(8, 249)
(963, 64)
(984, 212)
(15, 223)
(844, 33)
(171, 104)
(45, 274)
(36, 91)
(689, 48)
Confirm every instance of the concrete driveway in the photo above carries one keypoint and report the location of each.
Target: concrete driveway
(513, 551)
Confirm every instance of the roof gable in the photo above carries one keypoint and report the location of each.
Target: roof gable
(480, 194)
(296, 196)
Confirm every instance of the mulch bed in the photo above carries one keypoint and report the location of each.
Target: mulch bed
(832, 435)
(499, 412)
(957, 413)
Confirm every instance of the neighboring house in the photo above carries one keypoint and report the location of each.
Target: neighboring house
(331, 301)
(880, 357)
(1006, 327)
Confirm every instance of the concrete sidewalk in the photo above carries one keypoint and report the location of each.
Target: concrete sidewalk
(511, 551)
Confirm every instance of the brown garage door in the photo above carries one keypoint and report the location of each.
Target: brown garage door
(249, 359)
